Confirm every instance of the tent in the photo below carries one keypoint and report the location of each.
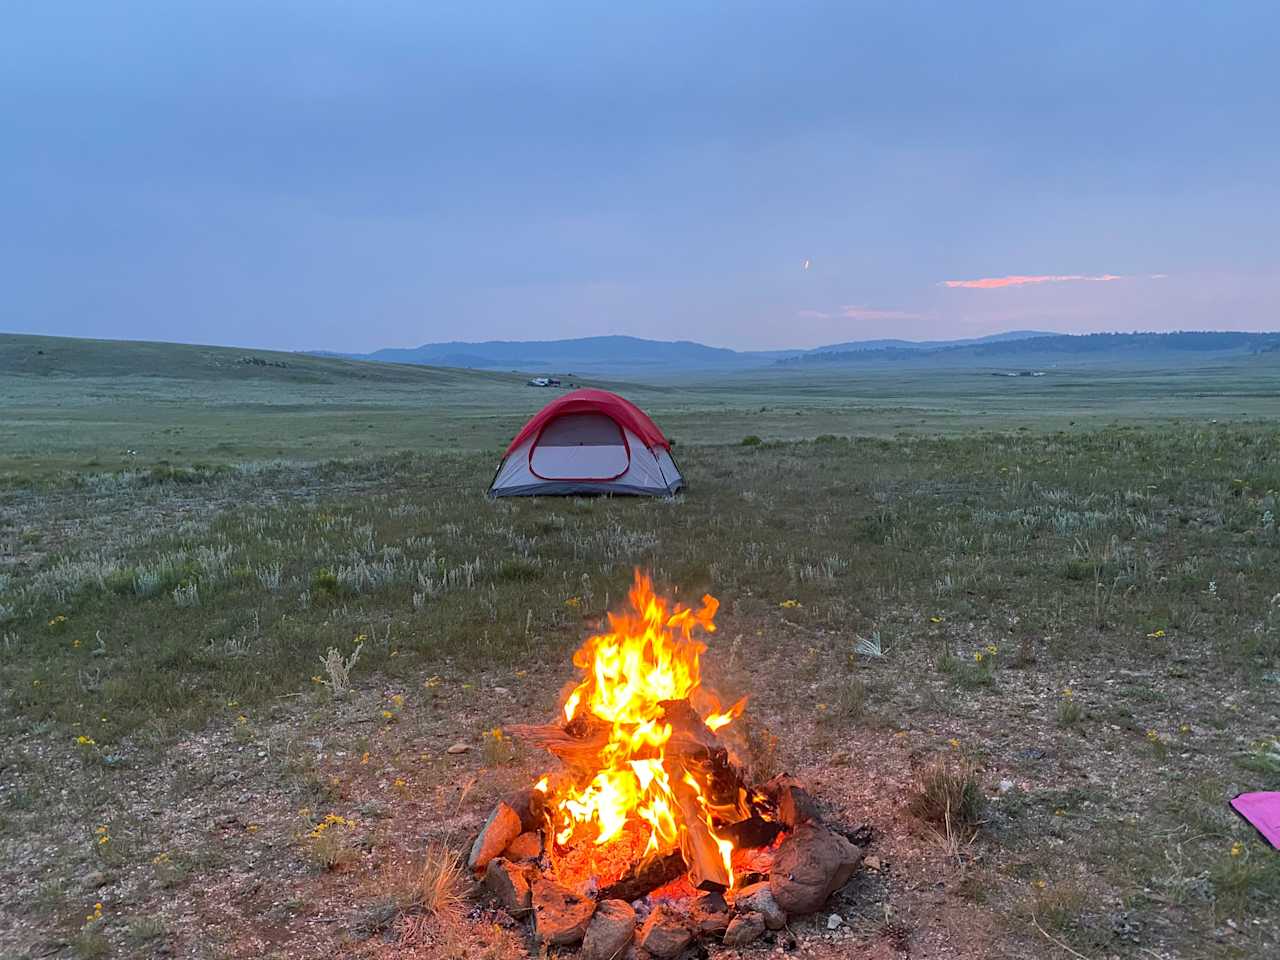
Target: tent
(588, 441)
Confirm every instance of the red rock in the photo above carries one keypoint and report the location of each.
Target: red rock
(665, 933)
(743, 929)
(509, 882)
(610, 931)
(758, 898)
(560, 916)
(496, 835)
(709, 914)
(527, 846)
(811, 864)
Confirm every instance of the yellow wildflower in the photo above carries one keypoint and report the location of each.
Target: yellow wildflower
(1068, 693)
(364, 758)
(398, 699)
(978, 656)
(789, 604)
(992, 649)
(388, 715)
(935, 619)
(432, 681)
(954, 743)
(1237, 848)
(399, 783)
(1155, 635)
(86, 741)
(573, 603)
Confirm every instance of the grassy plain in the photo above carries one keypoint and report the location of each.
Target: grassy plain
(1071, 582)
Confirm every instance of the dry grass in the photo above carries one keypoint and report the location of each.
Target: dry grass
(948, 794)
(435, 885)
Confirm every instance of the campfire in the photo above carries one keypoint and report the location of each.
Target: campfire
(649, 814)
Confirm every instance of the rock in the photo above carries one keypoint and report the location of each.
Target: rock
(496, 835)
(529, 804)
(709, 914)
(527, 846)
(664, 934)
(811, 864)
(795, 806)
(95, 880)
(873, 863)
(743, 929)
(458, 748)
(834, 921)
(560, 916)
(610, 931)
(1005, 786)
(509, 882)
(758, 898)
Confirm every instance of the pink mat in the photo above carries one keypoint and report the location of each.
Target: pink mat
(1262, 810)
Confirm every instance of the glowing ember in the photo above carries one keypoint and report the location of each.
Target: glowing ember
(641, 684)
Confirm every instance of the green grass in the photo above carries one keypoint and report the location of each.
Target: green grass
(148, 606)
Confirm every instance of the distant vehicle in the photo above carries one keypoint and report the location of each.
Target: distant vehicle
(543, 382)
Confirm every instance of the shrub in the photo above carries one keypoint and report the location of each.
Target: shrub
(949, 795)
(751, 441)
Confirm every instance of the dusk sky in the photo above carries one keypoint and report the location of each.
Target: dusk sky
(349, 176)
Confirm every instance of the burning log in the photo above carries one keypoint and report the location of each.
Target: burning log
(645, 876)
(794, 804)
(707, 870)
(754, 831)
(579, 750)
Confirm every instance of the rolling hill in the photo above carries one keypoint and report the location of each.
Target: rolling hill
(73, 357)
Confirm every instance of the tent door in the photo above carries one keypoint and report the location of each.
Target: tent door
(580, 446)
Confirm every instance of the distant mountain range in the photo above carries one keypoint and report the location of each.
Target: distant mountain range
(622, 355)
(1055, 349)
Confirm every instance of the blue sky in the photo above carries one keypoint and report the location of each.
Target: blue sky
(349, 176)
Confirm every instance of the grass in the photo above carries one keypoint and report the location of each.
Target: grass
(146, 608)
(949, 795)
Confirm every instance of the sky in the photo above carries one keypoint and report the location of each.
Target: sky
(349, 176)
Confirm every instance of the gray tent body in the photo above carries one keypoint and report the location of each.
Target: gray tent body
(583, 453)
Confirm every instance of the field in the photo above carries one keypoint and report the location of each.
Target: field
(1061, 590)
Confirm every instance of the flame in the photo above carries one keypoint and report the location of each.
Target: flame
(650, 655)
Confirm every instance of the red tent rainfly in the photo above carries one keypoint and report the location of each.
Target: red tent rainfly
(588, 441)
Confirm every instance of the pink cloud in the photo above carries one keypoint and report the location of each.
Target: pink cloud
(992, 283)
